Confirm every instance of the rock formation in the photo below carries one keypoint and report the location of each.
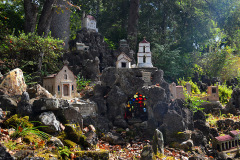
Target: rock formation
(13, 82)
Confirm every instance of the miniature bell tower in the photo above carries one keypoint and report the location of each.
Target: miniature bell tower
(144, 55)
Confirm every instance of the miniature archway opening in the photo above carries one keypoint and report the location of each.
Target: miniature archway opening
(136, 107)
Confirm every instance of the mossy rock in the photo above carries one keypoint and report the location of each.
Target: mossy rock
(69, 143)
(31, 138)
(72, 133)
(95, 155)
(62, 136)
(16, 121)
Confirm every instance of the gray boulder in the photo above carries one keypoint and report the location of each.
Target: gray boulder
(120, 122)
(24, 108)
(187, 145)
(4, 155)
(38, 92)
(71, 115)
(57, 142)
(211, 107)
(113, 138)
(233, 105)
(92, 138)
(199, 115)
(201, 125)
(147, 153)
(48, 119)
(115, 98)
(172, 124)
(45, 104)
(159, 110)
(198, 138)
(8, 104)
(158, 142)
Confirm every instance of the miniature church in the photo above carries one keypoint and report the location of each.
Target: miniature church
(144, 55)
(89, 22)
(123, 61)
(62, 84)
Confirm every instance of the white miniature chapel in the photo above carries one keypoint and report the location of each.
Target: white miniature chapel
(144, 55)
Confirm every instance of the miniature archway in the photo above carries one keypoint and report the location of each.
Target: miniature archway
(136, 107)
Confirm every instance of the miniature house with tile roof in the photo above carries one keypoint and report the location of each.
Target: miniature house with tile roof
(89, 22)
(63, 84)
(226, 142)
(123, 61)
(144, 55)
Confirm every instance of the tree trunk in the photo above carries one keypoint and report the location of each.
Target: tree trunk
(60, 25)
(31, 12)
(133, 23)
(46, 18)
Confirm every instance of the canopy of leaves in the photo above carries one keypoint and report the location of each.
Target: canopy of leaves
(23, 51)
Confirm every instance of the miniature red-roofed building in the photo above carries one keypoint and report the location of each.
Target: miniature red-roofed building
(89, 22)
(226, 142)
(62, 84)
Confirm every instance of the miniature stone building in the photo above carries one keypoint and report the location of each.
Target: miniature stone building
(89, 22)
(144, 55)
(226, 142)
(82, 47)
(123, 61)
(63, 84)
(177, 92)
(213, 93)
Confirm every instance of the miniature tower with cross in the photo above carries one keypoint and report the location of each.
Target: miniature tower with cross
(144, 55)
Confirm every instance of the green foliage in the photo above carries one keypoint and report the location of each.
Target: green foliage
(224, 93)
(166, 59)
(11, 16)
(75, 23)
(194, 87)
(193, 102)
(24, 51)
(22, 131)
(25, 129)
(82, 82)
(64, 152)
(15, 120)
(111, 45)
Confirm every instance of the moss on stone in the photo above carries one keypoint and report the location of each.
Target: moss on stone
(16, 121)
(96, 155)
(69, 143)
(72, 134)
(30, 138)
(62, 136)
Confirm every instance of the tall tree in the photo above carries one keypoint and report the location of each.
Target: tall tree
(46, 17)
(60, 26)
(31, 12)
(133, 23)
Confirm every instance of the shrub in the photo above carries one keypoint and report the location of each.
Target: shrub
(82, 82)
(194, 87)
(31, 53)
(193, 102)
(224, 93)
